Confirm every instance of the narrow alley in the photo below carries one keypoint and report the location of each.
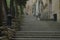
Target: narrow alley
(29, 19)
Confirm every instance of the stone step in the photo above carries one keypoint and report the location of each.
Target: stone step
(36, 38)
(37, 34)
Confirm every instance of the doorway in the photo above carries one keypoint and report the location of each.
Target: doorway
(55, 17)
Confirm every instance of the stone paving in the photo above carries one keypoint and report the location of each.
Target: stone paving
(32, 29)
(31, 24)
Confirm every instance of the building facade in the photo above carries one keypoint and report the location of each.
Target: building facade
(52, 8)
(29, 6)
(56, 8)
(37, 7)
(47, 8)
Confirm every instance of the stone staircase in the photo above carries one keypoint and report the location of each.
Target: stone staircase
(36, 30)
(37, 35)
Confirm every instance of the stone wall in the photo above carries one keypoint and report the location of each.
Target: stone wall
(55, 8)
